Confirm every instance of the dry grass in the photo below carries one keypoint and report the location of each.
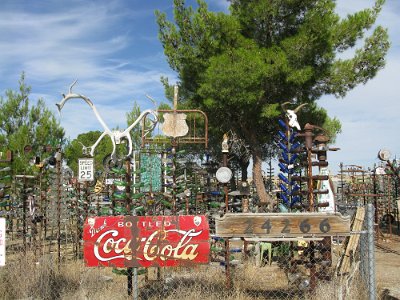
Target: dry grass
(22, 278)
(355, 290)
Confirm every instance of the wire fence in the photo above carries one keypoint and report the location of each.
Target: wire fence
(320, 268)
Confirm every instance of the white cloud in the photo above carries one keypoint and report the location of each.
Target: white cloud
(370, 113)
(91, 42)
(221, 4)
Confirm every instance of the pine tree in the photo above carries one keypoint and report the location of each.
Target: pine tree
(240, 67)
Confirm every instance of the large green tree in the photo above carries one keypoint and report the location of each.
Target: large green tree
(240, 67)
(24, 123)
(75, 150)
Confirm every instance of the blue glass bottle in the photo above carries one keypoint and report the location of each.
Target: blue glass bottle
(284, 198)
(285, 157)
(295, 199)
(295, 146)
(283, 168)
(282, 135)
(283, 178)
(284, 188)
(292, 136)
(283, 146)
(293, 158)
(282, 124)
(295, 188)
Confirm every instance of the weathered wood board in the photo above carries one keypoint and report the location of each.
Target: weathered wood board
(352, 242)
(175, 125)
(283, 225)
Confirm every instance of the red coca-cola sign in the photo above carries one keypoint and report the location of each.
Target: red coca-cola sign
(129, 241)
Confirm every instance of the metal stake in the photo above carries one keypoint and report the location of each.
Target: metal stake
(371, 252)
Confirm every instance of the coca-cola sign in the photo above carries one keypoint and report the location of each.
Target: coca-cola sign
(129, 241)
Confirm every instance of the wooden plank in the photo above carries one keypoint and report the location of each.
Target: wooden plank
(261, 225)
(280, 239)
(352, 242)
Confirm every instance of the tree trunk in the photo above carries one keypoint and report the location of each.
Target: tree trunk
(265, 199)
(244, 164)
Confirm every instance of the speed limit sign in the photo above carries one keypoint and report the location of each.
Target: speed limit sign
(86, 169)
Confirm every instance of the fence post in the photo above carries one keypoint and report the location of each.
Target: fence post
(371, 253)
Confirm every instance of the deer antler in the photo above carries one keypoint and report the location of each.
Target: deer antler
(115, 136)
(72, 85)
(70, 96)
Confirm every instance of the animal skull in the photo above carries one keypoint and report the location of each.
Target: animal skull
(291, 115)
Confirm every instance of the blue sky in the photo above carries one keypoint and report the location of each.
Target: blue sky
(112, 48)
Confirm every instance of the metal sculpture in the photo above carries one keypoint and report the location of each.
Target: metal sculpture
(116, 136)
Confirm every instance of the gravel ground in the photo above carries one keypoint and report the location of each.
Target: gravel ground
(388, 265)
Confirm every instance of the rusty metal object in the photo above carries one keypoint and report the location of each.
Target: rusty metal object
(316, 164)
(315, 143)
(307, 178)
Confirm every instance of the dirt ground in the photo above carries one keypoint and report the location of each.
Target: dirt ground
(387, 262)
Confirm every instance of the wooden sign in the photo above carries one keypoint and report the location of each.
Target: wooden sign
(261, 225)
(175, 125)
(146, 241)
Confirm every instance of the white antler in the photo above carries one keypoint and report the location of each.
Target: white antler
(115, 136)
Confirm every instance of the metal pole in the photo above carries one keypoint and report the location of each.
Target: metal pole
(135, 284)
(375, 197)
(227, 252)
(128, 208)
(389, 207)
(78, 230)
(371, 253)
(58, 166)
(24, 225)
(135, 274)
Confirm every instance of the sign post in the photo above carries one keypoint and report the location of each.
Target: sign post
(86, 169)
(2, 242)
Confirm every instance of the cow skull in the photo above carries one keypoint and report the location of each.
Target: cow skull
(292, 114)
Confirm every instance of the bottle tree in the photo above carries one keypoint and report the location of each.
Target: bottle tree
(288, 144)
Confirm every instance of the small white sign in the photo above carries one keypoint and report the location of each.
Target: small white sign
(2, 242)
(85, 169)
(109, 181)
